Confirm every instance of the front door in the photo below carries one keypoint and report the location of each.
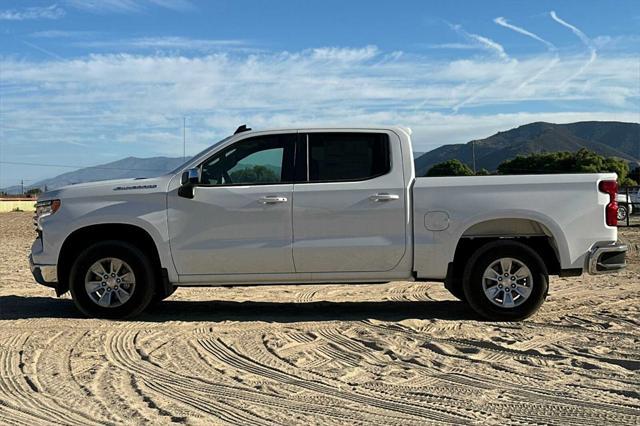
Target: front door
(239, 220)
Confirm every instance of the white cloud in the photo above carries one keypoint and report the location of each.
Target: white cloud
(483, 41)
(137, 101)
(497, 49)
(344, 55)
(550, 46)
(40, 49)
(585, 40)
(620, 42)
(504, 23)
(128, 6)
(455, 46)
(179, 5)
(60, 34)
(164, 43)
(31, 13)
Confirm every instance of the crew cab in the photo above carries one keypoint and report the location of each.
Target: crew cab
(323, 205)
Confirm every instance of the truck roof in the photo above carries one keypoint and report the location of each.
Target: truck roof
(402, 129)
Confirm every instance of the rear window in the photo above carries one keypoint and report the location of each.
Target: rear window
(347, 156)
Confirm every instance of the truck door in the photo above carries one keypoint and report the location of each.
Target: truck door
(239, 220)
(349, 202)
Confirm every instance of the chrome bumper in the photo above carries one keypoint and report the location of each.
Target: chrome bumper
(607, 259)
(46, 275)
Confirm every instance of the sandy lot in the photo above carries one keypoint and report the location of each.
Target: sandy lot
(399, 353)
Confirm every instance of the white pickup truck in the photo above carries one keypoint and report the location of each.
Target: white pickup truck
(323, 205)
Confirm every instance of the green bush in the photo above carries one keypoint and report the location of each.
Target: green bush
(582, 161)
(450, 168)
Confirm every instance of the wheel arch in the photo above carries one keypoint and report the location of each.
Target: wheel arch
(82, 237)
(544, 237)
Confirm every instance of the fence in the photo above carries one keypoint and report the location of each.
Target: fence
(633, 203)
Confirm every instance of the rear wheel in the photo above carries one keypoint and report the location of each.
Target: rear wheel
(112, 279)
(457, 291)
(505, 280)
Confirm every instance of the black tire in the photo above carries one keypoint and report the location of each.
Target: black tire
(141, 266)
(488, 255)
(161, 294)
(457, 291)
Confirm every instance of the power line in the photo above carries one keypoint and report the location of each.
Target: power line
(19, 163)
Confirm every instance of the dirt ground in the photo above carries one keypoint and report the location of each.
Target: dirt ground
(399, 353)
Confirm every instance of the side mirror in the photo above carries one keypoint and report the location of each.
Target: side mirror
(190, 177)
(188, 180)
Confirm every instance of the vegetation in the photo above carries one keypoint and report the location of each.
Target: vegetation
(34, 192)
(635, 174)
(450, 168)
(254, 174)
(582, 161)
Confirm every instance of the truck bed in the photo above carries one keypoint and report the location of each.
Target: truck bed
(449, 208)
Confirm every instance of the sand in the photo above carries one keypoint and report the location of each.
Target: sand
(398, 353)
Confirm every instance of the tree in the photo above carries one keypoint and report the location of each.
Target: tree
(34, 191)
(483, 172)
(635, 174)
(582, 161)
(254, 174)
(450, 168)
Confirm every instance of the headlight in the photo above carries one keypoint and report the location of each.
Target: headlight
(44, 209)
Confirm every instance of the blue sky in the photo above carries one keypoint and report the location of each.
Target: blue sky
(87, 82)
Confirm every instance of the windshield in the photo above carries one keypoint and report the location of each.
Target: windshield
(181, 166)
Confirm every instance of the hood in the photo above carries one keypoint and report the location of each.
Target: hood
(110, 188)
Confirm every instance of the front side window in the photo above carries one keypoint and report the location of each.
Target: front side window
(255, 161)
(347, 156)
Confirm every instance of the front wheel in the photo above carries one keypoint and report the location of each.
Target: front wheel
(161, 294)
(112, 279)
(505, 281)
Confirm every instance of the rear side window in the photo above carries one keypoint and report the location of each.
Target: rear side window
(347, 156)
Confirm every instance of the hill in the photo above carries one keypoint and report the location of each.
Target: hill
(609, 138)
(130, 167)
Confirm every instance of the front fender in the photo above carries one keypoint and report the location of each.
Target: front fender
(147, 212)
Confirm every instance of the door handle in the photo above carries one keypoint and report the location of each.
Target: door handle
(272, 199)
(383, 196)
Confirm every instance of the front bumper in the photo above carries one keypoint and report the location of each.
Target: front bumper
(46, 275)
(607, 259)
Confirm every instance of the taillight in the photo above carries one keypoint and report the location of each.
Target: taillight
(611, 211)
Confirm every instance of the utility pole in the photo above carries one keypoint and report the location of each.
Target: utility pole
(22, 186)
(184, 138)
(473, 155)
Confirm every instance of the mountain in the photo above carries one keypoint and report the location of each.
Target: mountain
(609, 138)
(130, 167)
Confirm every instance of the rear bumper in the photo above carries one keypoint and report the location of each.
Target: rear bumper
(607, 259)
(46, 275)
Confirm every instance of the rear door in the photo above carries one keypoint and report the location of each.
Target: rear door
(349, 209)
